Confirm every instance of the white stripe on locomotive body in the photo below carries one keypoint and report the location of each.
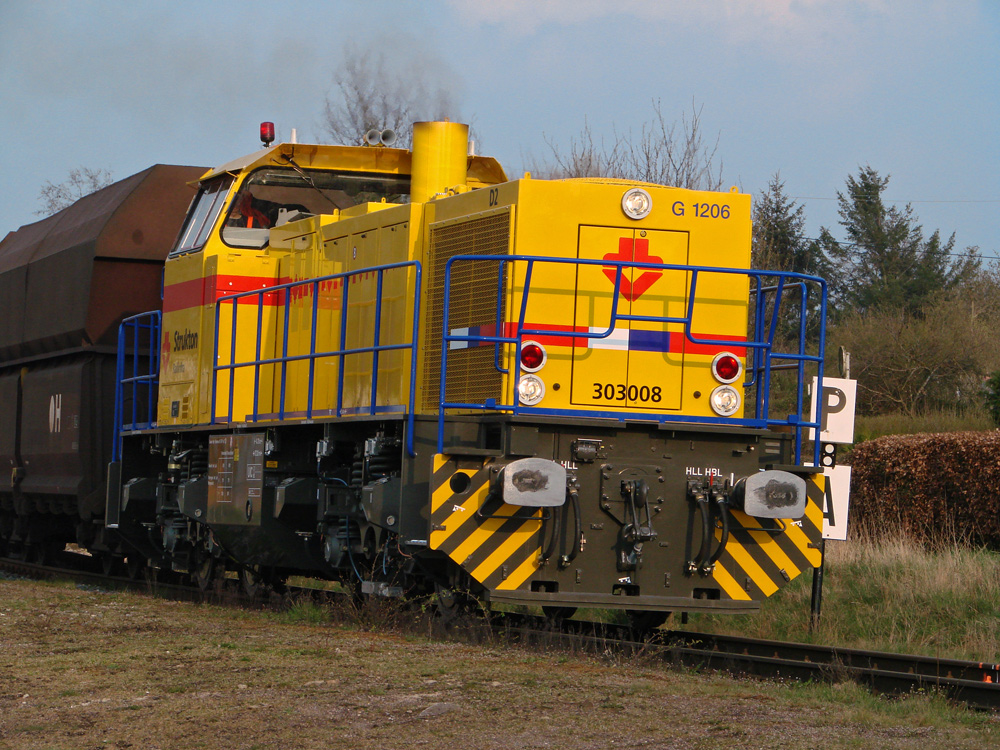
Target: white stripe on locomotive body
(618, 339)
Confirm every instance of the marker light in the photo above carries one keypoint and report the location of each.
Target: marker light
(533, 356)
(725, 400)
(636, 203)
(266, 133)
(530, 390)
(726, 367)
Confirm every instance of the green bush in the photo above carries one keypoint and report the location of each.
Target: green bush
(993, 397)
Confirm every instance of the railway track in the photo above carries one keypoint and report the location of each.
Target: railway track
(975, 684)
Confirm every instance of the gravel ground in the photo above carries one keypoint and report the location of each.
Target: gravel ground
(89, 669)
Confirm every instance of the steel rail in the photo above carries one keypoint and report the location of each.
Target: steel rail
(974, 683)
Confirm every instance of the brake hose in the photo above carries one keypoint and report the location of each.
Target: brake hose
(574, 497)
(720, 501)
(556, 531)
(706, 532)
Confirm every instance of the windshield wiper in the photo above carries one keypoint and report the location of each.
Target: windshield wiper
(309, 180)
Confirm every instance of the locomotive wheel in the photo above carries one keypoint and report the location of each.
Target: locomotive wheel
(109, 564)
(643, 622)
(205, 572)
(453, 604)
(251, 581)
(558, 614)
(134, 567)
(44, 552)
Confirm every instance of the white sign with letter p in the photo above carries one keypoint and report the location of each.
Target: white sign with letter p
(839, 396)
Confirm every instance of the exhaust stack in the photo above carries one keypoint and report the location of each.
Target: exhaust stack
(439, 158)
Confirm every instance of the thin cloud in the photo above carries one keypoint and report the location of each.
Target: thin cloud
(765, 17)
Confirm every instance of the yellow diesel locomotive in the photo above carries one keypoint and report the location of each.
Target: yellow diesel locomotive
(401, 369)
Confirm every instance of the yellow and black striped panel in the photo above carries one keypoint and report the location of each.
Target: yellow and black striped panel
(759, 559)
(497, 544)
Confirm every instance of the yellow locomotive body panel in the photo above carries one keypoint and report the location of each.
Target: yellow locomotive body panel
(609, 364)
(252, 228)
(333, 266)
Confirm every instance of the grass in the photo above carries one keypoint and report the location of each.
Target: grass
(891, 594)
(871, 427)
(123, 670)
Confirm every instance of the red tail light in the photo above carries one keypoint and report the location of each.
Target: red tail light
(726, 367)
(532, 356)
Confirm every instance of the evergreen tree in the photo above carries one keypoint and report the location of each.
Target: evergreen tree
(886, 262)
(779, 240)
(780, 244)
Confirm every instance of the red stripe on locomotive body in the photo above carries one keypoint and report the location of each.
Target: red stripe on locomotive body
(676, 341)
(184, 294)
(510, 329)
(203, 291)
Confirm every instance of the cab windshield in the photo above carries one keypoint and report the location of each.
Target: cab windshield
(271, 197)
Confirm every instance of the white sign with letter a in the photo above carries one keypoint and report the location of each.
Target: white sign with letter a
(836, 501)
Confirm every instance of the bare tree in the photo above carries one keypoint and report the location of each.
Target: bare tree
(912, 364)
(370, 93)
(81, 182)
(663, 153)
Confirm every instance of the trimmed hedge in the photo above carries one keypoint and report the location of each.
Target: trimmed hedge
(936, 488)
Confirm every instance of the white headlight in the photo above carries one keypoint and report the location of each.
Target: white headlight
(636, 203)
(530, 389)
(725, 400)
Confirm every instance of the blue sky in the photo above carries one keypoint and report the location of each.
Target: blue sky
(810, 88)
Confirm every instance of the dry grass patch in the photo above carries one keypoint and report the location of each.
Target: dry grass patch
(86, 669)
(888, 593)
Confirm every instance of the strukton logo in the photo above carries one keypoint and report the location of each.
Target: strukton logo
(185, 341)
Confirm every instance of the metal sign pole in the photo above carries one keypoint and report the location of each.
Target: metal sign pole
(817, 588)
(816, 604)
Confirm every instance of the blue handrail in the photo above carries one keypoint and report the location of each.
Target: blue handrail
(141, 352)
(761, 346)
(284, 292)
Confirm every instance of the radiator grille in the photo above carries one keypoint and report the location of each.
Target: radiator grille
(472, 375)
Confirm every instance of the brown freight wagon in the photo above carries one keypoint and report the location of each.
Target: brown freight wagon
(66, 282)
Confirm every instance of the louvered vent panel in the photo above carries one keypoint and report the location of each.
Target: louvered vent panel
(472, 375)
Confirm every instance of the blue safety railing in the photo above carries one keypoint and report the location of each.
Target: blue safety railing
(313, 287)
(760, 344)
(137, 375)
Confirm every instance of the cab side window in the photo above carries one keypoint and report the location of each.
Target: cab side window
(203, 214)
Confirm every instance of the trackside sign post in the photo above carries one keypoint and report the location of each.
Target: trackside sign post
(837, 397)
